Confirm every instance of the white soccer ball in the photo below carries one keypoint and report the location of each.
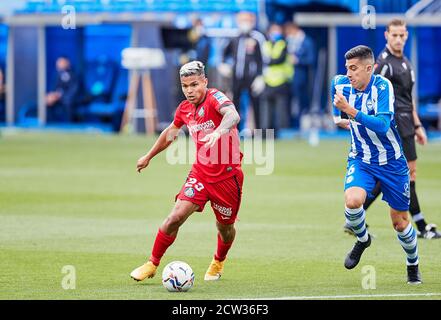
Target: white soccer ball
(177, 276)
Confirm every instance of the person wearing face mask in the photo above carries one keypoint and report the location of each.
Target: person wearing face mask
(277, 75)
(245, 53)
(61, 101)
(200, 41)
(302, 53)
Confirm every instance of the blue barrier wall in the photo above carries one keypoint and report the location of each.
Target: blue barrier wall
(108, 40)
(349, 37)
(429, 46)
(3, 44)
(429, 62)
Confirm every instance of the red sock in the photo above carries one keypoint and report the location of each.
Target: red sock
(162, 242)
(222, 248)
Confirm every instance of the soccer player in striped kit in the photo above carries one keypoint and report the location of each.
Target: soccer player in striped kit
(376, 154)
(393, 64)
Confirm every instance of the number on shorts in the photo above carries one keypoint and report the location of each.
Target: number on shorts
(192, 182)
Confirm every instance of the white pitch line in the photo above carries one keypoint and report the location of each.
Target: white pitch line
(355, 296)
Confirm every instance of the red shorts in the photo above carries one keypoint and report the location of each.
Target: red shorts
(224, 196)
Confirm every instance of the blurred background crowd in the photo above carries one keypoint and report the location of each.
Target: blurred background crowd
(61, 60)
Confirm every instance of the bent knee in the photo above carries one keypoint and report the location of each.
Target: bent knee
(401, 225)
(354, 202)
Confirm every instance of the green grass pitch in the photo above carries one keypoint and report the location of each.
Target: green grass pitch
(76, 199)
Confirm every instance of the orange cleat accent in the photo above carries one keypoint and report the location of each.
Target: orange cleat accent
(215, 270)
(147, 270)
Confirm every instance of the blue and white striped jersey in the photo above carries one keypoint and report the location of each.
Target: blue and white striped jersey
(377, 98)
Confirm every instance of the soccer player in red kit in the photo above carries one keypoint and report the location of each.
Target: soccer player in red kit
(216, 175)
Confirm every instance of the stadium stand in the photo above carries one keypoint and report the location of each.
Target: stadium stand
(32, 31)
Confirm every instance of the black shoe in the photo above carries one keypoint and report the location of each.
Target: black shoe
(430, 232)
(347, 228)
(353, 257)
(413, 275)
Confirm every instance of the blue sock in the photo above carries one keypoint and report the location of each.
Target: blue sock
(408, 241)
(355, 218)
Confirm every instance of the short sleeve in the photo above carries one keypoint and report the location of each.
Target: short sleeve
(382, 68)
(386, 98)
(220, 100)
(177, 121)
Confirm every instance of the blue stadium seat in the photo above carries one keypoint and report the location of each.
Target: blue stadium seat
(89, 6)
(110, 110)
(187, 6)
(99, 79)
(118, 97)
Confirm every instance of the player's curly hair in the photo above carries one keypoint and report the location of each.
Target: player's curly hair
(193, 68)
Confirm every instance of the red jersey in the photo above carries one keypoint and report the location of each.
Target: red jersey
(223, 159)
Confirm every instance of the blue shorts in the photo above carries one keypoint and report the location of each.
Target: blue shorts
(394, 181)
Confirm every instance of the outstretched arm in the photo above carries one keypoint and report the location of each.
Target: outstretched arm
(164, 140)
(229, 120)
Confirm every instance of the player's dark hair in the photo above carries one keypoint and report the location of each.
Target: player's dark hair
(396, 22)
(360, 52)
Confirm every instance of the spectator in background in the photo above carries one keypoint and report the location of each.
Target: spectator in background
(199, 50)
(2, 96)
(245, 52)
(61, 101)
(278, 75)
(200, 41)
(302, 54)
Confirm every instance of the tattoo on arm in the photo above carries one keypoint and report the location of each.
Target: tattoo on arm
(229, 120)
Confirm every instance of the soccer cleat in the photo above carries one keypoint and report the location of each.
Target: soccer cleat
(347, 228)
(413, 275)
(353, 257)
(147, 270)
(430, 232)
(214, 271)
